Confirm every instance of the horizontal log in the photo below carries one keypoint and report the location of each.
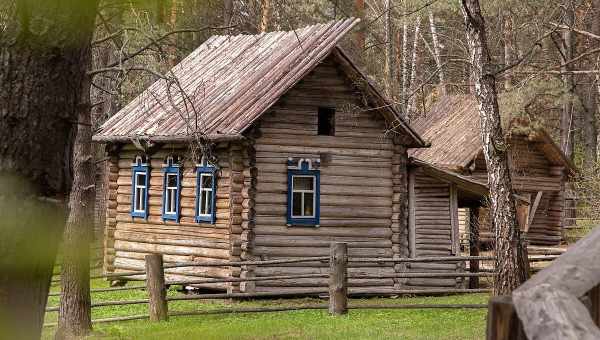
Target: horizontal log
(170, 249)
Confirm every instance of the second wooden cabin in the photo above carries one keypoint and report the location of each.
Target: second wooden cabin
(540, 171)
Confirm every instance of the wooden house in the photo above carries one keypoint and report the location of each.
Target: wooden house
(270, 146)
(539, 168)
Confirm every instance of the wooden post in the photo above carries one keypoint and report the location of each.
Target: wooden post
(338, 278)
(474, 245)
(502, 320)
(157, 292)
(594, 295)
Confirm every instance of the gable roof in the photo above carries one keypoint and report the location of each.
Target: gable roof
(452, 126)
(227, 83)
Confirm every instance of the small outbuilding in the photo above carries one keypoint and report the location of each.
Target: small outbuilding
(540, 171)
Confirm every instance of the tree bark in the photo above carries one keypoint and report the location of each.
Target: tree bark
(509, 257)
(567, 118)
(227, 12)
(44, 57)
(589, 101)
(437, 52)
(75, 313)
(265, 16)
(413, 70)
(404, 52)
(360, 35)
(389, 50)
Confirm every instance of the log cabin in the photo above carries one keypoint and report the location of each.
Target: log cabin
(272, 146)
(540, 171)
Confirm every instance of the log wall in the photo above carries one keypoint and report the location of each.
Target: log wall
(128, 239)
(433, 232)
(532, 172)
(361, 170)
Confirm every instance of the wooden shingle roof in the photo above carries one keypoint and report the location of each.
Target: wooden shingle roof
(452, 126)
(227, 83)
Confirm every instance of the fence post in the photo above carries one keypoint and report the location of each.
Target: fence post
(338, 278)
(502, 321)
(157, 292)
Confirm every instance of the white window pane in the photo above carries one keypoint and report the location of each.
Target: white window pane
(303, 183)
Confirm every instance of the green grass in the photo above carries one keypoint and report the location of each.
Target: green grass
(309, 324)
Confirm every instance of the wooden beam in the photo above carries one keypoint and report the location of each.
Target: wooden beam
(412, 229)
(455, 235)
(533, 209)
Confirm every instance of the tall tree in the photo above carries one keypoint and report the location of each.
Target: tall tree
(510, 265)
(567, 117)
(74, 319)
(413, 70)
(45, 53)
(389, 48)
(437, 52)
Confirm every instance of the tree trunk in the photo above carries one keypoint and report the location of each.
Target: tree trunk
(45, 54)
(567, 119)
(413, 70)
(508, 39)
(265, 16)
(360, 35)
(74, 317)
(227, 12)
(404, 52)
(589, 100)
(389, 50)
(437, 52)
(509, 257)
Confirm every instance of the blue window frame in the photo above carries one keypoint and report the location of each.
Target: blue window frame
(171, 190)
(303, 198)
(140, 181)
(206, 190)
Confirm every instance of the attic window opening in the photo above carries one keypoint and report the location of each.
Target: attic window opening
(326, 121)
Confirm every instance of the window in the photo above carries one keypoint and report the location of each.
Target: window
(326, 121)
(205, 192)
(140, 181)
(171, 188)
(303, 194)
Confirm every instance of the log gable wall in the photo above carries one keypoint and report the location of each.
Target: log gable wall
(363, 183)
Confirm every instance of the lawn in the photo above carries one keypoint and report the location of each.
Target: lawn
(308, 324)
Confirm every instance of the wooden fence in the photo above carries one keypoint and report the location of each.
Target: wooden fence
(562, 301)
(337, 290)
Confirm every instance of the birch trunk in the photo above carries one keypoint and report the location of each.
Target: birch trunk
(389, 50)
(509, 253)
(413, 70)
(437, 52)
(404, 61)
(567, 119)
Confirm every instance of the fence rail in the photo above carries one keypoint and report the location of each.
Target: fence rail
(337, 291)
